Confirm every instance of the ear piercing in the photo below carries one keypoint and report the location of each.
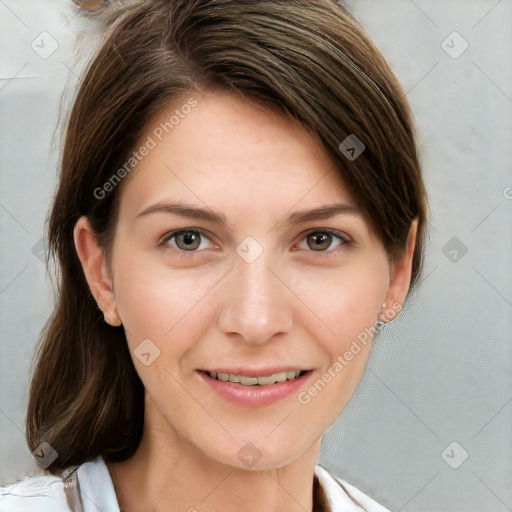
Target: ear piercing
(379, 324)
(90, 7)
(389, 316)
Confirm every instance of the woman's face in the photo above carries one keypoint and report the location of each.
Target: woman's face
(239, 251)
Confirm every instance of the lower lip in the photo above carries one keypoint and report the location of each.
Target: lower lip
(254, 396)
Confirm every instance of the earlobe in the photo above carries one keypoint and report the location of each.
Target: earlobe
(400, 276)
(94, 265)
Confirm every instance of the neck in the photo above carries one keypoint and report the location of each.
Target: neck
(175, 476)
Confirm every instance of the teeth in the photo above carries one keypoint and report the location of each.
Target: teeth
(253, 381)
(248, 381)
(280, 377)
(265, 381)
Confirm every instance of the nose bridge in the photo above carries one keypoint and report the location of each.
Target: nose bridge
(255, 303)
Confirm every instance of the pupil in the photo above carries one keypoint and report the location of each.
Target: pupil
(190, 240)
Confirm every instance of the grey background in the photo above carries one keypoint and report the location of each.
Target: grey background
(441, 372)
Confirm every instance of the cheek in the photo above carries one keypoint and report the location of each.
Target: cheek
(348, 304)
(160, 303)
(345, 300)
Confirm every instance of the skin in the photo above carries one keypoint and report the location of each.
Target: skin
(293, 305)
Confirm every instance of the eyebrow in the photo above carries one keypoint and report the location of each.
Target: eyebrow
(298, 217)
(185, 210)
(324, 212)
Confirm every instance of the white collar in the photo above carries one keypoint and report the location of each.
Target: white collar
(98, 494)
(344, 497)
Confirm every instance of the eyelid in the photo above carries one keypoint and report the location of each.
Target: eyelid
(340, 234)
(164, 239)
(346, 240)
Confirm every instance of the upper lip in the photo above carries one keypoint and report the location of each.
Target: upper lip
(255, 372)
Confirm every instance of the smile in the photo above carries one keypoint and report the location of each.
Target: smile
(259, 388)
(245, 380)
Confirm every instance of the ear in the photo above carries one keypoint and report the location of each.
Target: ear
(400, 277)
(95, 268)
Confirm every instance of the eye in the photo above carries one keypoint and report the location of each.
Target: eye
(188, 240)
(322, 240)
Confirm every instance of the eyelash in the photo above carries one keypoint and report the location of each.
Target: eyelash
(345, 241)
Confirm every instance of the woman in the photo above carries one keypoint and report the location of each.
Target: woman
(240, 207)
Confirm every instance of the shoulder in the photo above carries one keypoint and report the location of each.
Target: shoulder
(343, 496)
(34, 493)
(92, 486)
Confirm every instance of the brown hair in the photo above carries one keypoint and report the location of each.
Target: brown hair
(306, 59)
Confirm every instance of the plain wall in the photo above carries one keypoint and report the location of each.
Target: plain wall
(438, 374)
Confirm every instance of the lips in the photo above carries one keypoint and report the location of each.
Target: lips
(256, 387)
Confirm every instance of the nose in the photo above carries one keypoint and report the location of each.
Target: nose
(256, 305)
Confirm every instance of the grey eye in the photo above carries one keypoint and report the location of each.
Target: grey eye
(90, 7)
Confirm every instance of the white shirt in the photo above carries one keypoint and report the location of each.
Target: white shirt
(45, 493)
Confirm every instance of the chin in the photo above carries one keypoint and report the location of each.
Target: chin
(258, 452)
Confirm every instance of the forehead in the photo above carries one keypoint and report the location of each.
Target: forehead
(225, 151)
